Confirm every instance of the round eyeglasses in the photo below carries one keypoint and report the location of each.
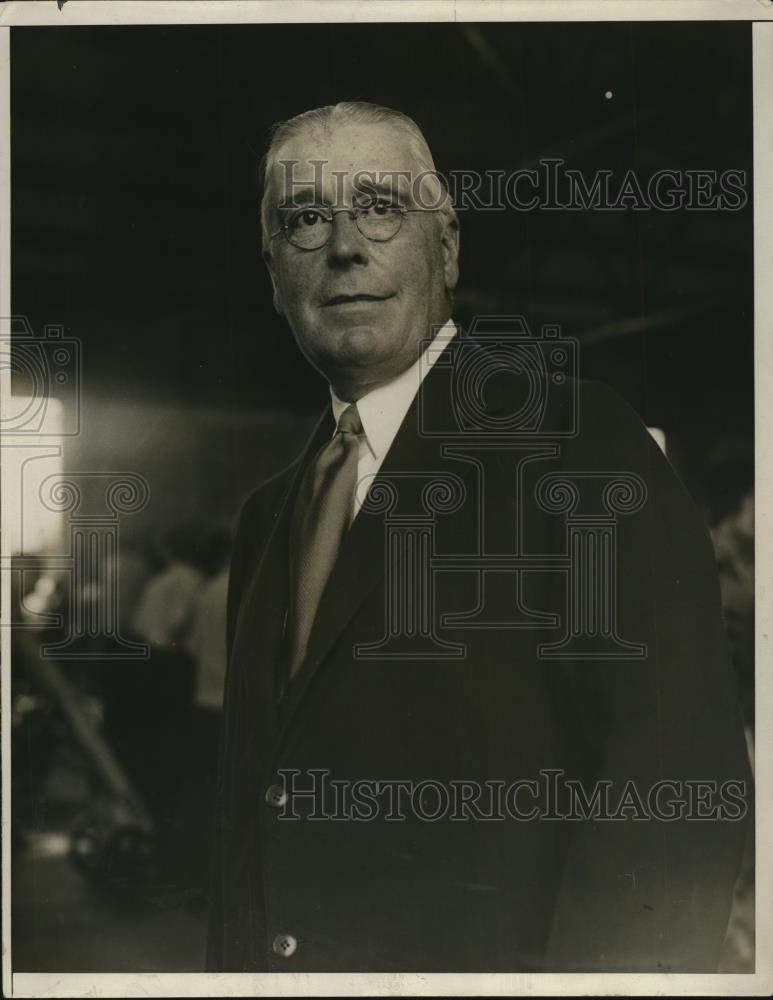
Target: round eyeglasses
(310, 227)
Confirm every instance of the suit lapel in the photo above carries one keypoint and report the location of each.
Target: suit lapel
(260, 620)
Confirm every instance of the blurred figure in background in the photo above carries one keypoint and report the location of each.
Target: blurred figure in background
(165, 608)
(206, 643)
(151, 700)
(729, 487)
(206, 639)
(141, 559)
(733, 538)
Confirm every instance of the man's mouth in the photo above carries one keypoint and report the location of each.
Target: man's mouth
(339, 300)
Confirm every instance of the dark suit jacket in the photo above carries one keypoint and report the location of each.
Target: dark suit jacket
(418, 895)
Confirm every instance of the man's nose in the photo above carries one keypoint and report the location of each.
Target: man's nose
(346, 243)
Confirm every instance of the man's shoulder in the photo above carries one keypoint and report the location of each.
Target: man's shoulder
(551, 404)
(594, 428)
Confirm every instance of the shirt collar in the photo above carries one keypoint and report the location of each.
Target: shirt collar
(383, 409)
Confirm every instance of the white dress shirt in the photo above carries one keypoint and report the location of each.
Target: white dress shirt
(382, 411)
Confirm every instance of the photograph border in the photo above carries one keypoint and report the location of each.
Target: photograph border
(760, 982)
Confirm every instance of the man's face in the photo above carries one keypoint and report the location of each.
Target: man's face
(358, 309)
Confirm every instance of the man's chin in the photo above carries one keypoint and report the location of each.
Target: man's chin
(354, 347)
(358, 352)
(359, 343)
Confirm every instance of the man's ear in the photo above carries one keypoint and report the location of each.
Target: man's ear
(450, 243)
(269, 262)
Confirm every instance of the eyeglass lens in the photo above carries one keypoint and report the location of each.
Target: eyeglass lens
(310, 228)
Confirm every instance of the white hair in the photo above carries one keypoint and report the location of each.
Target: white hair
(359, 112)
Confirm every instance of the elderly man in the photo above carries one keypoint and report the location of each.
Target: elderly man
(477, 712)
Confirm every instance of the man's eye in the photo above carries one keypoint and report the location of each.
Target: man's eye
(380, 207)
(305, 219)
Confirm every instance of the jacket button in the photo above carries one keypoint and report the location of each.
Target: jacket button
(276, 796)
(284, 945)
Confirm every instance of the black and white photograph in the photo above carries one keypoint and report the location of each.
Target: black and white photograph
(385, 463)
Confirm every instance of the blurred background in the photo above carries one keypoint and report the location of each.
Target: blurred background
(144, 313)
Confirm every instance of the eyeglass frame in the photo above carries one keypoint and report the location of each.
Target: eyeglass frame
(355, 212)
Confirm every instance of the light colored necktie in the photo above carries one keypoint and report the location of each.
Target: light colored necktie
(321, 518)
